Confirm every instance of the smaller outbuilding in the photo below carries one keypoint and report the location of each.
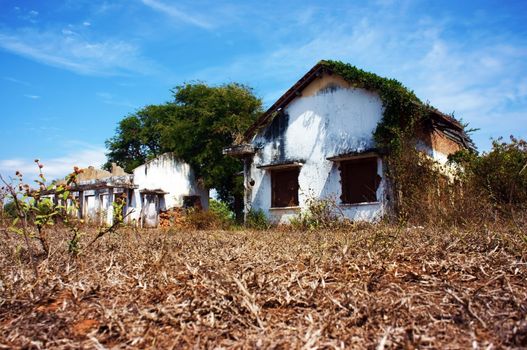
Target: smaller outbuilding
(161, 184)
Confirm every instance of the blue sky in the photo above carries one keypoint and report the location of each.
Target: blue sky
(70, 70)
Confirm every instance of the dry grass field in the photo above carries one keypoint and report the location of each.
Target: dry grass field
(365, 286)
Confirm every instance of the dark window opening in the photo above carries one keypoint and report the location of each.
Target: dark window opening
(359, 180)
(284, 183)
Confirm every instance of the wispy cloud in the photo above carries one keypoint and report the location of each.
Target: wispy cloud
(17, 81)
(67, 50)
(33, 97)
(178, 14)
(54, 168)
(30, 16)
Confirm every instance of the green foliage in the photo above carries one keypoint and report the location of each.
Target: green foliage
(219, 216)
(257, 220)
(138, 137)
(195, 126)
(10, 209)
(417, 185)
(221, 210)
(74, 246)
(118, 206)
(501, 173)
(34, 207)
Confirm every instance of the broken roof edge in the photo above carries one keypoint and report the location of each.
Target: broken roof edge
(328, 67)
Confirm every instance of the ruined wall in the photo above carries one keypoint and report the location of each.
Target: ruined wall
(436, 145)
(168, 174)
(96, 199)
(442, 146)
(329, 118)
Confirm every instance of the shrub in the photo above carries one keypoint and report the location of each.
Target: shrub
(222, 211)
(321, 213)
(502, 173)
(217, 217)
(497, 178)
(416, 183)
(257, 220)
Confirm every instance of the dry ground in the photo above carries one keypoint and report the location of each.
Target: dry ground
(362, 287)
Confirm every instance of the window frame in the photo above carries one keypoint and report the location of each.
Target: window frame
(345, 165)
(274, 173)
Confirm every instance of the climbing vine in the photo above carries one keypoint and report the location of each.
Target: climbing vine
(402, 109)
(414, 178)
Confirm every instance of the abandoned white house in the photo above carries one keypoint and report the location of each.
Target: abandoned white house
(161, 184)
(317, 141)
(158, 185)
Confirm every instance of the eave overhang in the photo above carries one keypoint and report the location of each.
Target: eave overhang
(370, 153)
(278, 166)
(240, 151)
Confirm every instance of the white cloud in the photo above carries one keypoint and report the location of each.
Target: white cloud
(69, 51)
(479, 80)
(178, 14)
(86, 23)
(30, 16)
(33, 97)
(54, 168)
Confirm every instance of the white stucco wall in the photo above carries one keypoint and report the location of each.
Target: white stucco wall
(168, 174)
(333, 121)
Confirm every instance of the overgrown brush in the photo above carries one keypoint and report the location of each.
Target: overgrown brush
(219, 216)
(470, 189)
(257, 220)
(320, 213)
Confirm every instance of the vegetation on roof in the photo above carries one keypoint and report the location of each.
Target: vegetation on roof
(402, 108)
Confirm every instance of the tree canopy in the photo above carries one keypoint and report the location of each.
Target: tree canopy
(196, 126)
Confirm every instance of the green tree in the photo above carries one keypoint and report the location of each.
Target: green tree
(138, 137)
(195, 126)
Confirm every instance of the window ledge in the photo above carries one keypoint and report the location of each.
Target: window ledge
(285, 208)
(358, 204)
